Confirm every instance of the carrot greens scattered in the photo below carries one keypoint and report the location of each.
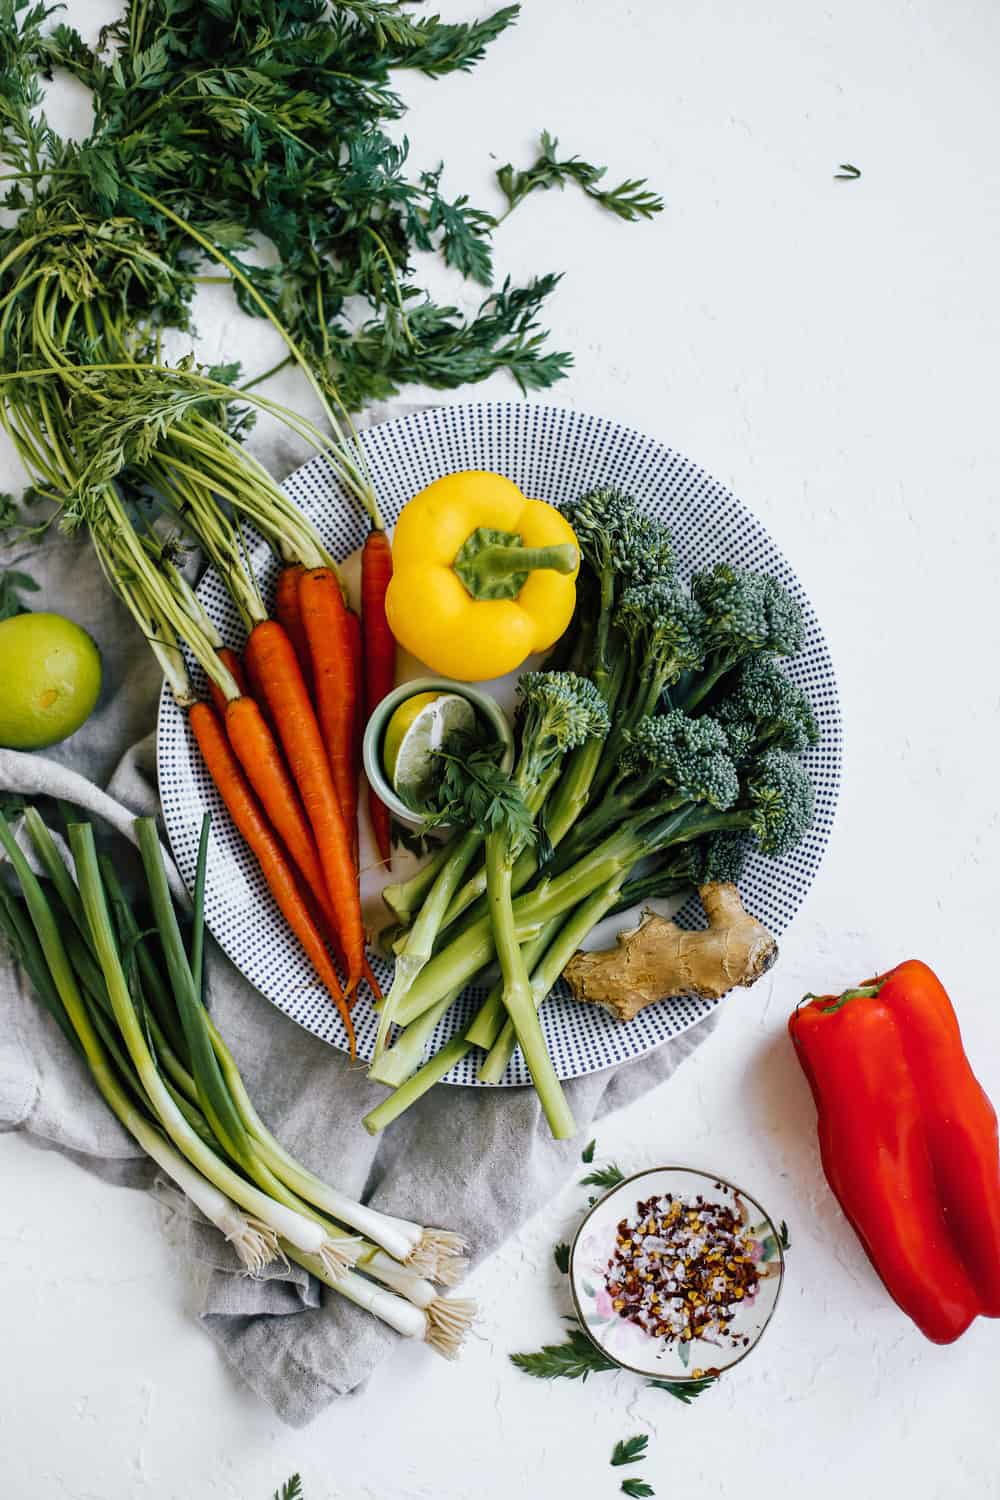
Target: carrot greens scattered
(290, 1490)
(638, 1489)
(13, 583)
(604, 1177)
(630, 200)
(629, 1450)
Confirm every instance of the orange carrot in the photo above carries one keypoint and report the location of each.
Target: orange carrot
(273, 656)
(230, 660)
(358, 717)
(260, 756)
(324, 617)
(246, 813)
(287, 612)
(379, 657)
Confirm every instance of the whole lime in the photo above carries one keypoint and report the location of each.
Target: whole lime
(50, 678)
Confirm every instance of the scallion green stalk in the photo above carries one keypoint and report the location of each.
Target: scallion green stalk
(305, 1234)
(254, 1240)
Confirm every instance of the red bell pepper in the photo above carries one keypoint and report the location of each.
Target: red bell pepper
(909, 1144)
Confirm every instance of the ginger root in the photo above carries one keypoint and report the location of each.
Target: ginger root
(658, 959)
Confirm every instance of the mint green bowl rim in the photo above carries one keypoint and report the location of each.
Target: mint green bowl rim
(371, 750)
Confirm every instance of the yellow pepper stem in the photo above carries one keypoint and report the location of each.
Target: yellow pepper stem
(496, 565)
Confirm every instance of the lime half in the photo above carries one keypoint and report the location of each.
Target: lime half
(420, 726)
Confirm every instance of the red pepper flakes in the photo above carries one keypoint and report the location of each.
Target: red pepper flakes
(682, 1267)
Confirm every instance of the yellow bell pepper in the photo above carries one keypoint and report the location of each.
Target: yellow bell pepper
(482, 576)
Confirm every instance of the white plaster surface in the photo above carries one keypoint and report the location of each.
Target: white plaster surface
(829, 349)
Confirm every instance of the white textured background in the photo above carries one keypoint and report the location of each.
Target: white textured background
(829, 349)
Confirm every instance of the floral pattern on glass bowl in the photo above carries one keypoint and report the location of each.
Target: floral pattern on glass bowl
(625, 1342)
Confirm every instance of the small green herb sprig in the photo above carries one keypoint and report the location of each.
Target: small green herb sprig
(629, 1450)
(630, 200)
(561, 1257)
(412, 839)
(575, 1359)
(13, 584)
(578, 1357)
(637, 1488)
(474, 792)
(605, 1177)
(290, 1490)
(848, 172)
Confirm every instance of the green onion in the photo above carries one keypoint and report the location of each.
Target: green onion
(198, 931)
(256, 1243)
(304, 1233)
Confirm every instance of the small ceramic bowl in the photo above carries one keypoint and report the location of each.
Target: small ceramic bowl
(632, 1347)
(487, 710)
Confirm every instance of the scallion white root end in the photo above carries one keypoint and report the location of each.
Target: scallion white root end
(338, 1256)
(440, 1256)
(255, 1243)
(448, 1321)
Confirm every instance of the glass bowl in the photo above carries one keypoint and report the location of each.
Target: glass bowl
(632, 1346)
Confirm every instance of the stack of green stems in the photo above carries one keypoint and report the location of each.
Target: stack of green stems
(165, 1071)
(552, 918)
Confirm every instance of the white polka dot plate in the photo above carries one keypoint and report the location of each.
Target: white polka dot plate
(553, 454)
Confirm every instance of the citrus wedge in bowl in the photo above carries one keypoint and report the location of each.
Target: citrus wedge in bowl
(420, 726)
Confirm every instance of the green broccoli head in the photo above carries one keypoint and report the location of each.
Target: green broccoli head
(557, 712)
(616, 538)
(778, 798)
(764, 709)
(690, 757)
(664, 627)
(746, 612)
(719, 857)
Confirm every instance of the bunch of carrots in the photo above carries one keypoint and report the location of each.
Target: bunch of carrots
(281, 740)
(281, 737)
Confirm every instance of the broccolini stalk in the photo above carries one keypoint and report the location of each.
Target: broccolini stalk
(419, 943)
(474, 888)
(405, 897)
(410, 1047)
(517, 997)
(546, 973)
(559, 712)
(775, 807)
(670, 759)
(415, 1085)
(662, 629)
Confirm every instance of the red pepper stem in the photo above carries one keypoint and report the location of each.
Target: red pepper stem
(862, 992)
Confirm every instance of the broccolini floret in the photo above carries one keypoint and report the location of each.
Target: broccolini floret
(557, 712)
(689, 758)
(719, 857)
(764, 709)
(778, 800)
(665, 630)
(617, 539)
(745, 613)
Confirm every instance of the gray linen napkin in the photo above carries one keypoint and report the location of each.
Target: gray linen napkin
(474, 1160)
